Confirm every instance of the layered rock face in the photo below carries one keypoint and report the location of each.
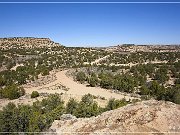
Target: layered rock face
(146, 117)
(26, 42)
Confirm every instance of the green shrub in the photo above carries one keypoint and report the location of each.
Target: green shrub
(85, 108)
(106, 83)
(177, 97)
(34, 94)
(81, 76)
(71, 106)
(52, 102)
(93, 81)
(144, 90)
(45, 72)
(114, 104)
(12, 92)
(176, 94)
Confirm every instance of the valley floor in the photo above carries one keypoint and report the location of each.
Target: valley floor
(74, 90)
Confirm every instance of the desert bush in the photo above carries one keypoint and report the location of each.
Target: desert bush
(81, 76)
(93, 81)
(71, 106)
(114, 104)
(12, 92)
(34, 94)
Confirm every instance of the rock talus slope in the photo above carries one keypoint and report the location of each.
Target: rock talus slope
(146, 117)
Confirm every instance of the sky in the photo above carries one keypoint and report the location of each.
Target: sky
(93, 24)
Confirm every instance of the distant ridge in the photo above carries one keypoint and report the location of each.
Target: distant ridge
(26, 42)
(144, 48)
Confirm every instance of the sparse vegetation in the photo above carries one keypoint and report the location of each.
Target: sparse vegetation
(149, 74)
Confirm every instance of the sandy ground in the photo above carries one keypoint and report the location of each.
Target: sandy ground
(26, 99)
(80, 89)
(17, 65)
(75, 90)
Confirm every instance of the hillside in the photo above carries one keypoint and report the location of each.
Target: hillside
(147, 117)
(26, 42)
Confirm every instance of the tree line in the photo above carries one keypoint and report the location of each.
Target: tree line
(135, 81)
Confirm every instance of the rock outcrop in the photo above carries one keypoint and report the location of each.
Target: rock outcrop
(146, 117)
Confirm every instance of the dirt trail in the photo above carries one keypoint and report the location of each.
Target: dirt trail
(100, 59)
(144, 63)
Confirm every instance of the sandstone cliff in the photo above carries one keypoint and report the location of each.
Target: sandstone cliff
(146, 117)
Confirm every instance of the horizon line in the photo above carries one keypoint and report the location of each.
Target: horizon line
(90, 45)
(88, 2)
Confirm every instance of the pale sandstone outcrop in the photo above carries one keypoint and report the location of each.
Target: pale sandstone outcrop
(146, 117)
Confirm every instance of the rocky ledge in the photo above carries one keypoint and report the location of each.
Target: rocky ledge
(146, 117)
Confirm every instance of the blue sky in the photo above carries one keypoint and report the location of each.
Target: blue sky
(93, 24)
